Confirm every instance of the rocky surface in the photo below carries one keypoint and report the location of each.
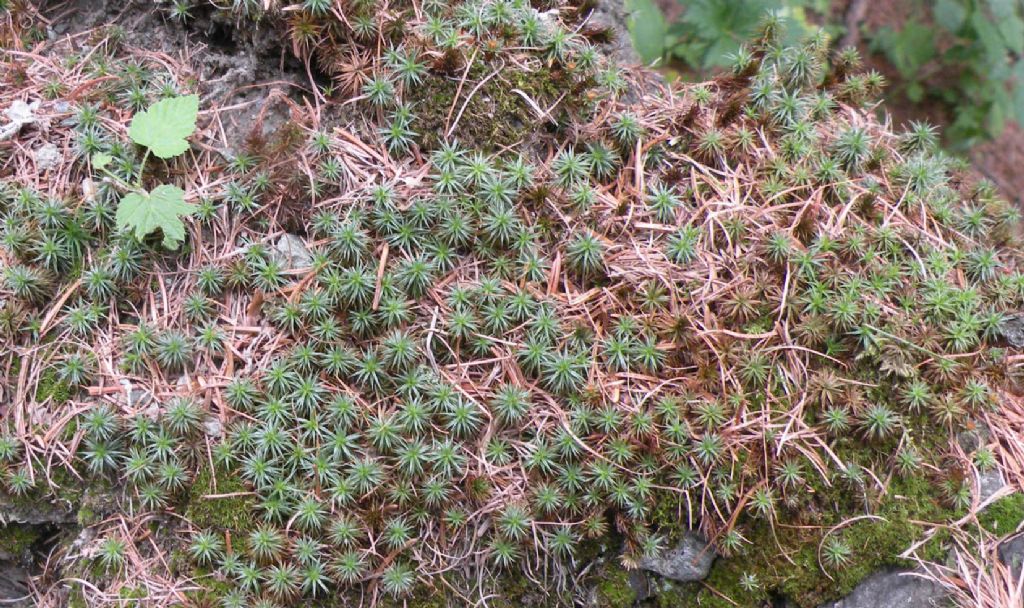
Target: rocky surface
(611, 16)
(1012, 330)
(894, 589)
(13, 585)
(990, 483)
(688, 561)
(1011, 553)
(291, 252)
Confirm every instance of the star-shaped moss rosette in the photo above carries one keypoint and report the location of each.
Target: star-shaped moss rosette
(742, 306)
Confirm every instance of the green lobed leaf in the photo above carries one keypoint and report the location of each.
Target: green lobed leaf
(1017, 91)
(100, 160)
(165, 126)
(1006, 15)
(908, 49)
(161, 209)
(648, 28)
(950, 14)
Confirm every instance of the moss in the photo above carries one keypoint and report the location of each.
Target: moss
(669, 516)
(494, 117)
(785, 559)
(76, 598)
(509, 589)
(86, 516)
(614, 590)
(50, 386)
(422, 597)
(63, 497)
(210, 590)
(16, 539)
(1003, 516)
(67, 487)
(232, 512)
(132, 597)
(515, 590)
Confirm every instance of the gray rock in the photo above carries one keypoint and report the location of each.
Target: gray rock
(291, 251)
(973, 439)
(37, 512)
(610, 16)
(688, 561)
(14, 586)
(1011, 553)
(19, 114)
(640, 585)
(894, 589)
(1012, 330)
(46, 156)
(133, 397)
(213, 427)
(990, 482)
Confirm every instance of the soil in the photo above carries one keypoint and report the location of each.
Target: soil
(234, 71)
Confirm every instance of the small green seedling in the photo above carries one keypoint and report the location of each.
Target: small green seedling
(163, 129)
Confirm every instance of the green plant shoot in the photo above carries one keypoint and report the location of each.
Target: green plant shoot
(163, 129)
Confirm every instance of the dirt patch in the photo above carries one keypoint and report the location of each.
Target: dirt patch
(231, 70)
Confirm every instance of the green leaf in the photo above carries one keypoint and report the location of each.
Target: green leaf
(991, 41)
(950, 14)
(144, 212)
(1008, 22)
(165, 126)
(100, 160)
(648, 29)
(908, 49)
(717, 53)
(1017, 91)
(915, 92)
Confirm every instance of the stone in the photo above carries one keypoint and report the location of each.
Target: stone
(213, 428)
(51, 511)
(14, 586)
(291, 251)
(989, 483)
(19, 115)
(1011, 553)
(894, 589)
(971, 440)
(1012, 330)
(610, 17)
(47, 156)
(688, 561)
(640, 585)
(133, 397)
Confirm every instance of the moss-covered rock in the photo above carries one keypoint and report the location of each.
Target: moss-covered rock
(16, 542)
(543, 328)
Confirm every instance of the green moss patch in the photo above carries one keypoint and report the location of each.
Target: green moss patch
(17, 539)
(614, 590)
(52, 387)
(495, 115)
(784, 559)
(1003, 516)
(231, 512)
